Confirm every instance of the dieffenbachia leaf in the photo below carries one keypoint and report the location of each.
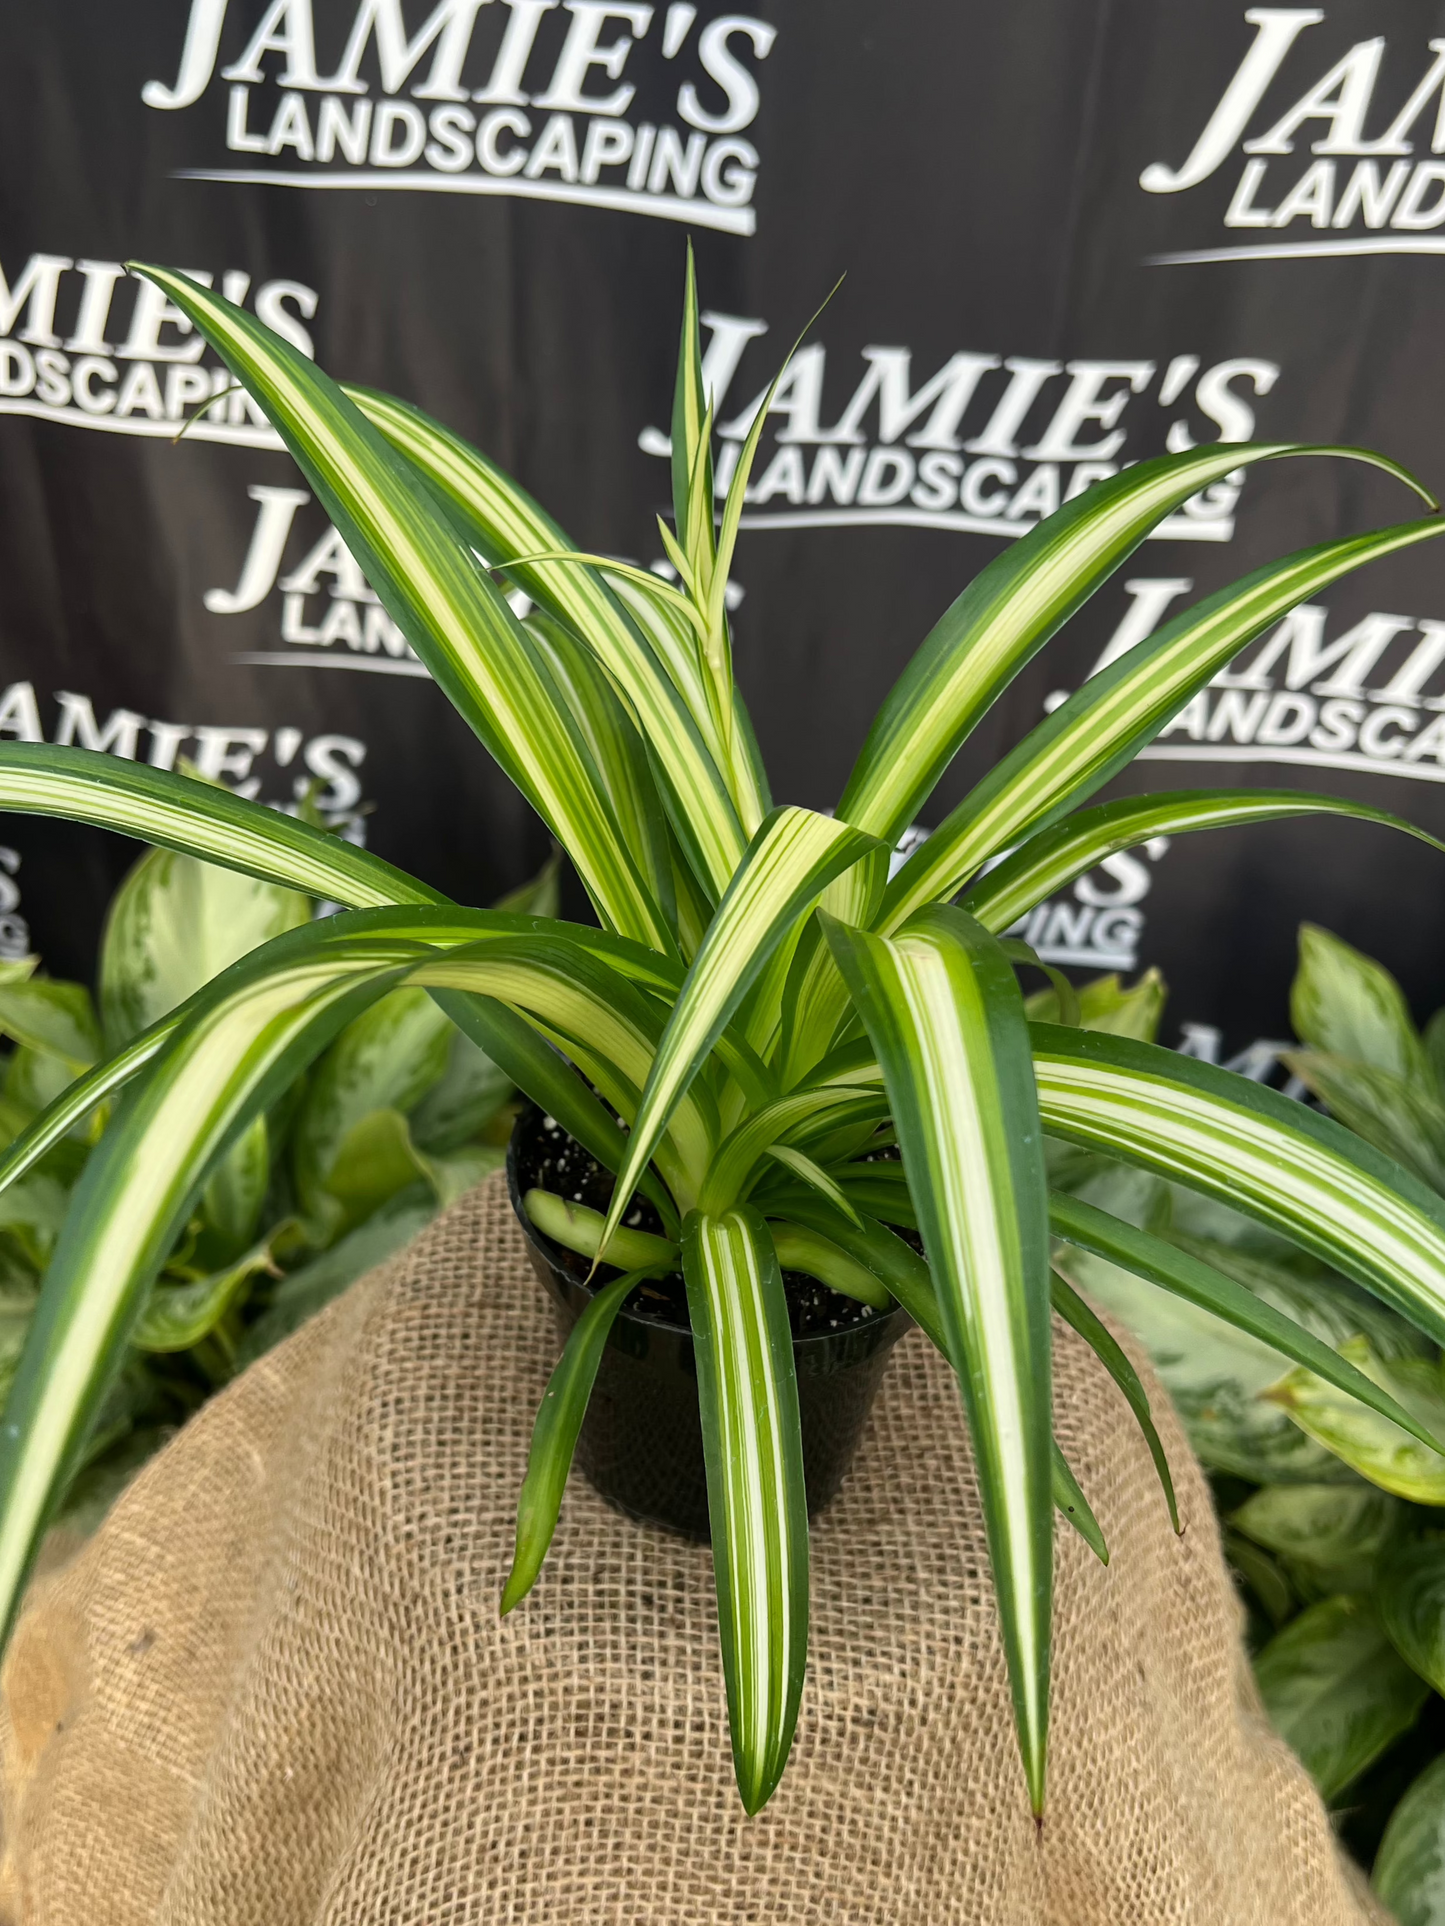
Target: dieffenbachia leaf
(1390, 1455)
(944, 1014)
(554, 1436)
(1328, 1538)
(384, 1060)
(235, 1192)
(439, 595)
(78, 1099)
(1337, 1690)
(509, 523)
(1348, 1005)
(1409, 1871)
(1103, 725)
(789, 863)
(1186, 1276)
(1402, 1116)
(757, 1507)
(174, 924)
(1301, 1174)
(199, 819)
(1110, 1353)
(1012, 608)
(1410, 1593)
(55, 1019)
(1054, 857)
(178, 1316)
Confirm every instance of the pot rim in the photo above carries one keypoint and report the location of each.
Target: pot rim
(547, 1246)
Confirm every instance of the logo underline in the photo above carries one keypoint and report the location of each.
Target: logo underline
(1294, 250)
(667, 207)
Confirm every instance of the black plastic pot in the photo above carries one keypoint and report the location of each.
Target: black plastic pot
(641, 1441)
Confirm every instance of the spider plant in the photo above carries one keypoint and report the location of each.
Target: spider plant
(760, 1005)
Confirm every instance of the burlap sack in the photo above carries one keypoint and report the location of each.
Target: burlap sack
(274, 1690)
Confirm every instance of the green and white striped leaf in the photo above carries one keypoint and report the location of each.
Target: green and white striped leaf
(878, 1252)
(617, 749)
(550, 1081)
(737, 1158)
(199, 819)
(1285, 1165)
(692, 476)
(609, 1029)
(438, 594)
(1185, 1276)
(1012, 608)
(1104, 725)
(1056, 856)
(789, 863)
(944, 1014)
(508, 523)
(580, 1229)
(753, 1447)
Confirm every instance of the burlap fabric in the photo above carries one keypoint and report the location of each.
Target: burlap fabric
(275, 1691)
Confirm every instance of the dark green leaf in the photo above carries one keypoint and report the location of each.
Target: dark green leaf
(1337, 1690)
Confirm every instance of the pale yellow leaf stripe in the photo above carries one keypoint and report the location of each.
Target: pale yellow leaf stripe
(953, 1081)
(756, 1513)
(1211, 1146)
(797, 847)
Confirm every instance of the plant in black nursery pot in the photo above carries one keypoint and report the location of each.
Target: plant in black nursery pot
(805, 1087)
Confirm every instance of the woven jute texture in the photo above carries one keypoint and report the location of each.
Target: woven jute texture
(274, 1689)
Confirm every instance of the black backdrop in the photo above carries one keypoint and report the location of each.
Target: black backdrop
(1074, 232)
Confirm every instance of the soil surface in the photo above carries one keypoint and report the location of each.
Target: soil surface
(549, 1159)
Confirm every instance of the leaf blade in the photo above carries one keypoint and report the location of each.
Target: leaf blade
(789, 863)
(199, 819)
(437, 593)
(1056, 856)
(1103, 725)
(1010, 610)
(1287, 1166)
(752, 1444)
(944, 1015)
(1185, 1276)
